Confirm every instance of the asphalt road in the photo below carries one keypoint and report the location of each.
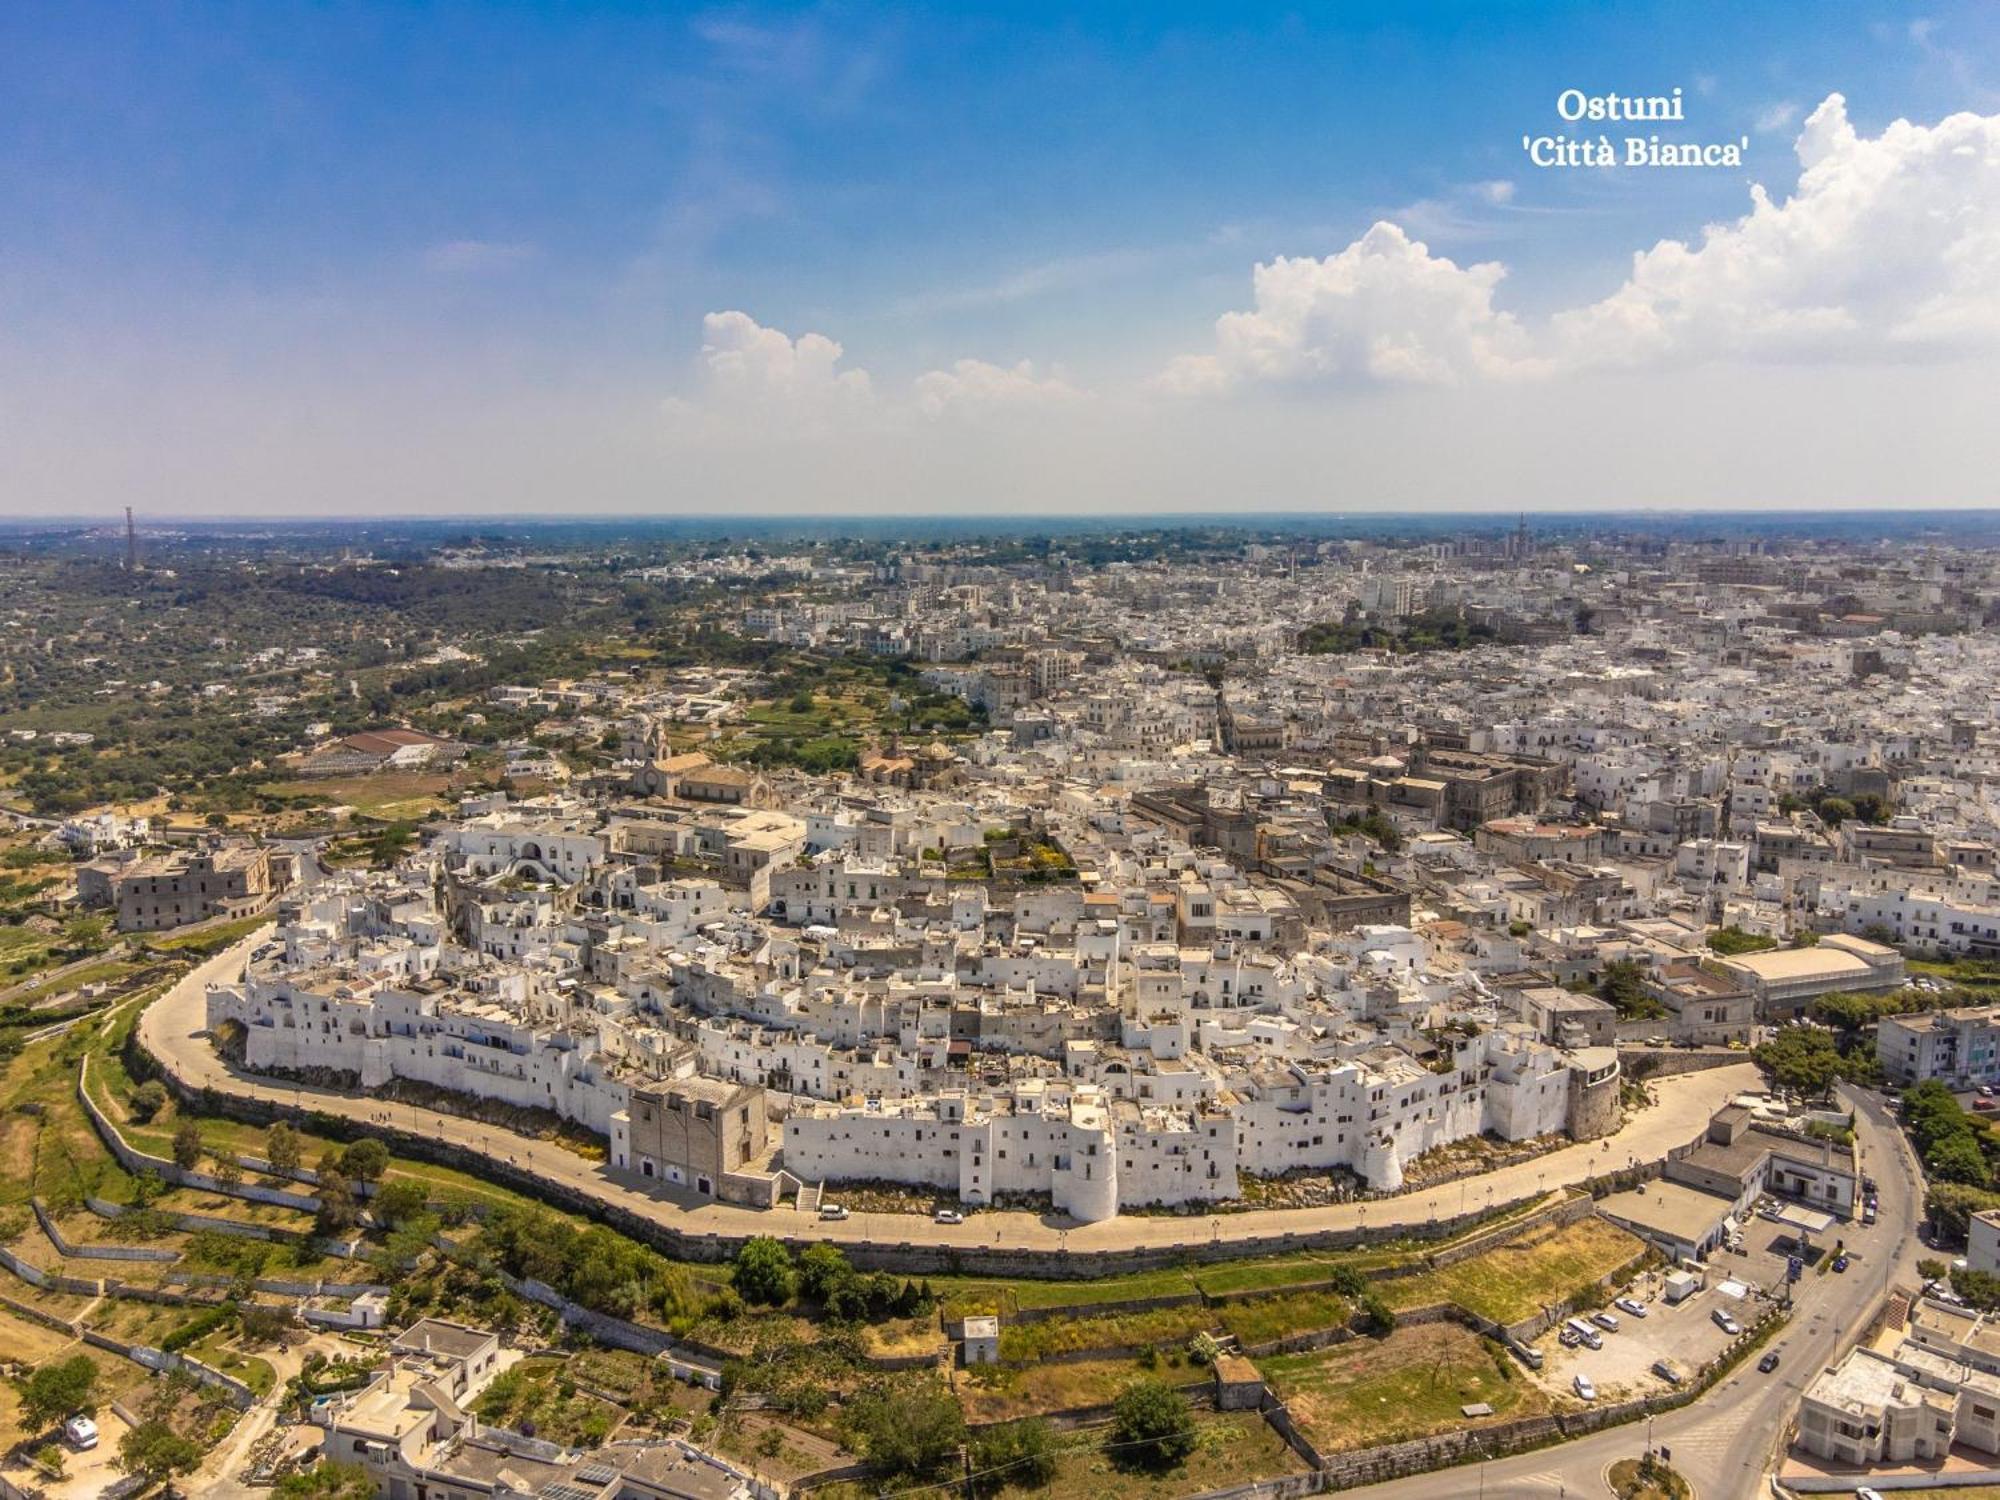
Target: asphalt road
(173, 1028)
(1726, 1443)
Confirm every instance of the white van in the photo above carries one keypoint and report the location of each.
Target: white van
(1590, 1336)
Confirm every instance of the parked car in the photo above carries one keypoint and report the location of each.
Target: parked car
(1668, 1371)
(947, 1216)
(1585, 1334)
(1865, 1493)
(1726, 1323)
(1607, 1321)
(833, 1210)
(1631, 1305)
(1584, 1389)
(1840, 1263)
(1867, 1213)
(1769, 1362)
(1568, 1338)
(80, 1432)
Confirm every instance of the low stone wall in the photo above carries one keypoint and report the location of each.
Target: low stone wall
(1442, 1450)
(238, 1394)
(36, 1315)
(96, 1252)
(1105, 1309)
(1570, 1210)
(903, 1257)
(1642, 1063)
(1270, 1489)
(48, 1281)
(138, 1162)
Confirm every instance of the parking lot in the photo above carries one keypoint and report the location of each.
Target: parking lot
(1684, 1333)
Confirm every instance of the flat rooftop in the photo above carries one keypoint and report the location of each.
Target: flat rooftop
(1668, 1209)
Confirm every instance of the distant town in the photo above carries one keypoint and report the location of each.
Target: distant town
(617, 1013)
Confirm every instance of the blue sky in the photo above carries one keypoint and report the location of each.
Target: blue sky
(459, 257)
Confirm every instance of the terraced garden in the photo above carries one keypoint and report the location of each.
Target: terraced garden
(1409, 1385)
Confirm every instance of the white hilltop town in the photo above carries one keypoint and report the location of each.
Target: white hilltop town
(1496, 958)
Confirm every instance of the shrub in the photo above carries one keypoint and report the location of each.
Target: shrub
(1152, 1426)
(147, 1100)
(763, 1272)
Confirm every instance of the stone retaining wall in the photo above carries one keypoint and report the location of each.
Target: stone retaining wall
(904, 1257)
(95, 1252)
(238, 1394)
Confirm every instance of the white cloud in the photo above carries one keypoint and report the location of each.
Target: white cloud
(1498, 192)
(747, 364)
(1384, 309)
(975, 385)
(1889, 247)
(476, 255)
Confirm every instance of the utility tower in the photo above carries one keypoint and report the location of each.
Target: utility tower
(131, 543)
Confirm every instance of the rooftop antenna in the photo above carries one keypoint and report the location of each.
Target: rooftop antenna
(131, 543)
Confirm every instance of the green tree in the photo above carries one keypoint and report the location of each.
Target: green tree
(398, 1201)
(1951, 1206)
(225, 1168)
(148, 1099)
(1834, 811)
(338, 1211)
(1980, 1289)
(1957, 1158)
(146, 1189)
(911, 1426)
(821, 1268)
(1623, 984)
(1152, 1426)
(187, 1145)
(365, 1161)
(1802, 1058)
(281, 1147)
(155, 1450)
(1022, 1454)
(1375, 1317)
(762, 1273)
(57, 1389)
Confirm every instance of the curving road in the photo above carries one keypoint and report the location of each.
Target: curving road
(173, 1028)
(1725, 1441)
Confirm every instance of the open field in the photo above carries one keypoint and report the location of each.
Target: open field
(995, 1393)
(1409, 1385)
(1231, 1448)
(388, 795)
(1520, 1278)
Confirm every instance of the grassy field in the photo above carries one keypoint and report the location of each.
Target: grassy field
(1517, 1279)
(388, 795)
(965, 1295)
(1231, 1448)
(1160, 1326)
(1409, 1385)
(108, 971)
(1004, 1393)
(1263, 1319)
(209, 940)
